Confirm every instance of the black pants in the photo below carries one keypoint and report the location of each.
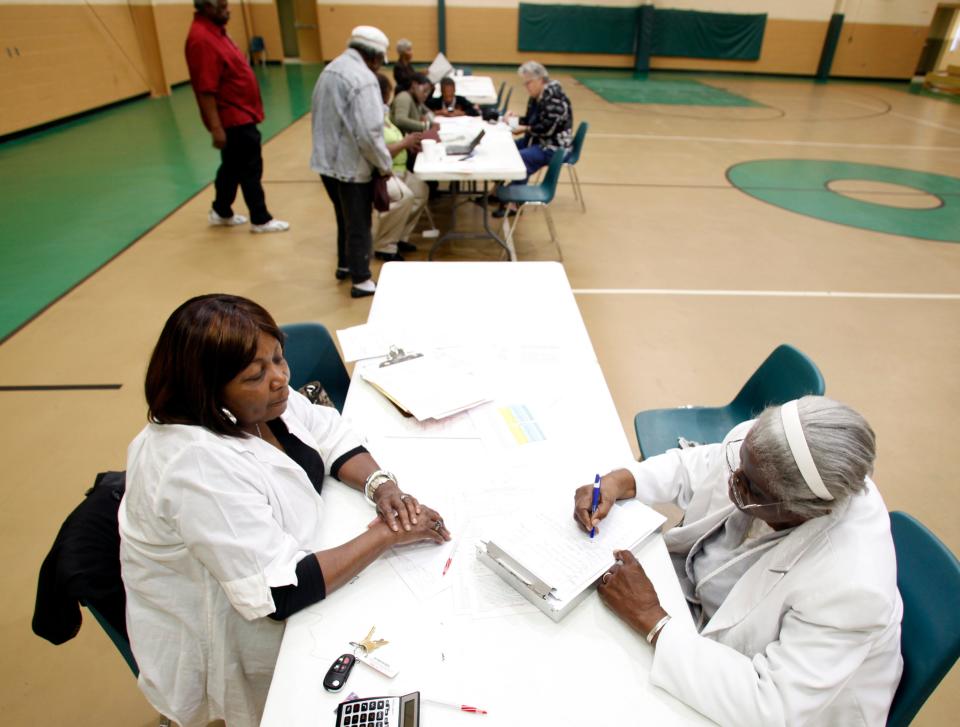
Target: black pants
(241, 164)
(353, 206)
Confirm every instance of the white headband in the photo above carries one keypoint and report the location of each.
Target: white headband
(801, 452)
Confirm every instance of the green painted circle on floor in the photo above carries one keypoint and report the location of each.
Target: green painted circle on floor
(800, 185)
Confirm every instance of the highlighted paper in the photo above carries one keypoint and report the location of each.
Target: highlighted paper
(520, 423)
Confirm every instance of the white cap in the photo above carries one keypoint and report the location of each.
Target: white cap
(370, 37)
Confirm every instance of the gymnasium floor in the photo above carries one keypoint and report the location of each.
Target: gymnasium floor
(685, 282)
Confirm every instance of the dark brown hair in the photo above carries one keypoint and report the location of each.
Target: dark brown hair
(204, 344)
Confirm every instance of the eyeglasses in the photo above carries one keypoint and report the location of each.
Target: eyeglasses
(739, 481)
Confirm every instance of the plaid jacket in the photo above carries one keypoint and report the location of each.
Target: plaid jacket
(550, 118)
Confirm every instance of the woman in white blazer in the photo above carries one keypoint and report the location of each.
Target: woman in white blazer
(220, 524)
(786, 559)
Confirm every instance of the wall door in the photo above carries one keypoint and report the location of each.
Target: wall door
(938, 39)
(288, 30)
(308, 31)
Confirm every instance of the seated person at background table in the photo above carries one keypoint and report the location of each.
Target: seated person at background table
(547, 126)
(408, 110)
(221, 521)
(408, 193)
(403, 70)
(785, 557)
(448, 103)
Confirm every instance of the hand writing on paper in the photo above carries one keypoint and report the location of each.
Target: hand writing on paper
(627, 591)
(614, 486)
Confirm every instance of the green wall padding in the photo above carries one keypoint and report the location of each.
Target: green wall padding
(641, 60)
(830, 46)
(576, 29)
(686, 33)
(694, 34)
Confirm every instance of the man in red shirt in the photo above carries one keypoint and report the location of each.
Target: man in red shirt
(229, 100)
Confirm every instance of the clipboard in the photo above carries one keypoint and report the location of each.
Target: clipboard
(434, 388)
(395, 355)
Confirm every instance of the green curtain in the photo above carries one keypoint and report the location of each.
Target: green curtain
(694, 34)
(577, 29)
(592, 29)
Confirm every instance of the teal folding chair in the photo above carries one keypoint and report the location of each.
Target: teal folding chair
(573, 156)
(928, 576)
(506, 101)
(258, 47)
(786, 374)
(495, 106)
(533, 195)
(313, 356)
(118, 639)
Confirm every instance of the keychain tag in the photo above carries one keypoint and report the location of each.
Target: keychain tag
(363, 651)
(376, 663)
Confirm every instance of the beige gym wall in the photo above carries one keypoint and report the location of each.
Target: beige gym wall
(65, 57)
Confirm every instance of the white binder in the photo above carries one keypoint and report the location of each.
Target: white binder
(557, 587)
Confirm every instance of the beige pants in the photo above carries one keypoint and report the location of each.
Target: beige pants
(408, 197)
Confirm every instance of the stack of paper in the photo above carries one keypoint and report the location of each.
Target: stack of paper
(431, 386)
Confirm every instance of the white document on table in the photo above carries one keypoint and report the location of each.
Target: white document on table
(366, 341)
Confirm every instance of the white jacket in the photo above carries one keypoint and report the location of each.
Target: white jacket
(810, 635)
(208, 525)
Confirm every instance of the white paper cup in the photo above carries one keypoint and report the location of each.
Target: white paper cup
(431, 150)
(514, 122)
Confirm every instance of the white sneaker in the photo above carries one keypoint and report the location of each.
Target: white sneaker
(271, 226)
(217, 220)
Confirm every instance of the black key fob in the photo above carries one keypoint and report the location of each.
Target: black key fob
(338, 672)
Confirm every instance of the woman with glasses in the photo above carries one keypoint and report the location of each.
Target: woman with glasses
(546, 127)
(786, 560)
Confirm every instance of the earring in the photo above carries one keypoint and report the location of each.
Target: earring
(228, 414)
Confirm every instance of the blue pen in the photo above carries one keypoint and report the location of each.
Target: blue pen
(596, 501)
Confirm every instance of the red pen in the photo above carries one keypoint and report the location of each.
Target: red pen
(461, 707)
(447, 566)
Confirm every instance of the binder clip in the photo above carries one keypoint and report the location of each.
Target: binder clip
(398, 355)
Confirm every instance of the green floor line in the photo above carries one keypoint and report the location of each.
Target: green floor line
(77, 194)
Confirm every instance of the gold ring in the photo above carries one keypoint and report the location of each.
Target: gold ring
(605, 577)
(404, 498)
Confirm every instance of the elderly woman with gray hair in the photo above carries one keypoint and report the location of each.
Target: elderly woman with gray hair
(547, 126)
(403, 69)
(786, 560)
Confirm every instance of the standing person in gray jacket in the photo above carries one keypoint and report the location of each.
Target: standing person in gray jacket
(348, 148)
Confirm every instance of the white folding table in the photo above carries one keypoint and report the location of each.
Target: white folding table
(519, 326)
(476, 89)
(496, 159)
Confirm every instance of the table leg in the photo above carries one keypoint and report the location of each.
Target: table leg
(487, 230)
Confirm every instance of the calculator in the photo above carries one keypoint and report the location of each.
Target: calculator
(381, 712)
